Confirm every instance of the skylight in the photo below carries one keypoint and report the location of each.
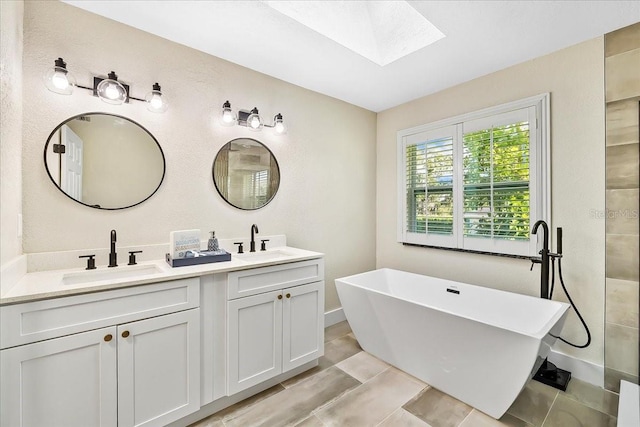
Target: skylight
(381, 31)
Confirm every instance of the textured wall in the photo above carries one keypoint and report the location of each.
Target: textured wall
(622, 62)
(574, 77)
(326, 201)
(11, 14)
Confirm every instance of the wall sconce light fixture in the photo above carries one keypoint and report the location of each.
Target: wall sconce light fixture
(156, 102)
(110, 90)
(58, 79)
(251, 119)
(228, 118)
(254, 121)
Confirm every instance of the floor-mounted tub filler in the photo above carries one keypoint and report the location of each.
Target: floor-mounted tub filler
(477, 344)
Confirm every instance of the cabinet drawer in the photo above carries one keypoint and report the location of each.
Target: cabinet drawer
(266, 279)
(40, 320)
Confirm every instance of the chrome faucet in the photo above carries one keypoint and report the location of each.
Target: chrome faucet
(254, 231)
(113, 256)
(544, 261)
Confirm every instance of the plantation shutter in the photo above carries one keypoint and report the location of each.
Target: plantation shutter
(260, 186)
(497, 195)
(429, 187)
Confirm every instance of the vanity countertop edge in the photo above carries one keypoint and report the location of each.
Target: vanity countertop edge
(45, 285)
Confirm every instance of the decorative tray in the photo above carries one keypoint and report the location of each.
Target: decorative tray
(203, 257)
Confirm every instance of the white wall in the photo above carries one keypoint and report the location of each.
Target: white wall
(117, 157)
(575, 79)
(326, 201)
(11, 14)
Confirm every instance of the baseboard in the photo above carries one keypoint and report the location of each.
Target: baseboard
(581, 369)
(332, 317)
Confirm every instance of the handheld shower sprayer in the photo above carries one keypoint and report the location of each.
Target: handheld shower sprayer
(559, 240)
(546, 290)
(564, 288)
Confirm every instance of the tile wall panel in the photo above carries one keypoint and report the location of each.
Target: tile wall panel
(622, 88)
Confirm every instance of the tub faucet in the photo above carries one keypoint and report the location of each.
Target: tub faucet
(254, 231)
(544, 261)
(113, 256)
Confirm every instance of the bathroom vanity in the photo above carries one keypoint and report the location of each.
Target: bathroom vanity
(152, 348)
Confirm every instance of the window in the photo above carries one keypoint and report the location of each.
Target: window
(255, 185)
(478, 181)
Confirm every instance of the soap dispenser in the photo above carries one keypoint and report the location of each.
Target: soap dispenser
(213, 246)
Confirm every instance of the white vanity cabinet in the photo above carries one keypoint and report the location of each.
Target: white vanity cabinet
(70, 381)
(159, 369)
(275, 321)
(128, 357)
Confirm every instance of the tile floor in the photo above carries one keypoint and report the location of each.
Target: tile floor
(350, 387)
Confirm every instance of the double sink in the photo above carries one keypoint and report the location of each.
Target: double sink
(143, 270)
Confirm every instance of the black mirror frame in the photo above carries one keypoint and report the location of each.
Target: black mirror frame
(164, 162)
(216, 184)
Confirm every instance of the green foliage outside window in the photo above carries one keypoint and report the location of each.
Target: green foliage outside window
(495, 182)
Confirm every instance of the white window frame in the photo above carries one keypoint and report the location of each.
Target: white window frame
(538, 109)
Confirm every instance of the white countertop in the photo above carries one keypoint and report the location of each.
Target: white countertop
(49, 284)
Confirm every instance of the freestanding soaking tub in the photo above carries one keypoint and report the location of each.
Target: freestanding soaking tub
(477, 344)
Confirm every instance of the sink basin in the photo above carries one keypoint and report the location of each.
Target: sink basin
(273, 255)
(125, 272)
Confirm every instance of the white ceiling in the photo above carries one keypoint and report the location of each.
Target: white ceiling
(480, 37)
(381, 31)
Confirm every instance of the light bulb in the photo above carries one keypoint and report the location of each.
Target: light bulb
(156, 101)
(59, 80)
(254, 122)
(112, 91)
(278, 124)
(227, 116)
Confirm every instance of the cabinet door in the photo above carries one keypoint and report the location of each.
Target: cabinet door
(302, 325)
(68, 381)
(255, 340)
(159, 369)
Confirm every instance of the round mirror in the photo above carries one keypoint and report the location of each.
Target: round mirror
(104, 161)
(246, 174)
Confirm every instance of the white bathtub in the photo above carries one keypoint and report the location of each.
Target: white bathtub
(477, 344)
